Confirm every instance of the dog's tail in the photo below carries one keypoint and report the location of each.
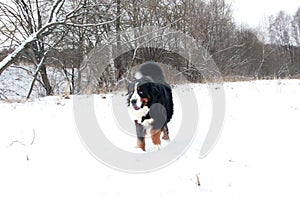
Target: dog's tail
(153, 71)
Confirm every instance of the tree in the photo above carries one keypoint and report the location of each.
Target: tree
(40, 33)
(281, 36)
(296, 27)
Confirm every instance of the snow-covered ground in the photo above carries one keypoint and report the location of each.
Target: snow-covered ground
(41, 153)
(16, 80)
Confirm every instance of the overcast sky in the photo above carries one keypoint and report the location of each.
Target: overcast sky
(251, 12)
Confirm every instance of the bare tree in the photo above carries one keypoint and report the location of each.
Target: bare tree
(280, 31)
(296, 27)
(40, 33)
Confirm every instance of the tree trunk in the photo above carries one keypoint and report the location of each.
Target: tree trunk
(46, 81)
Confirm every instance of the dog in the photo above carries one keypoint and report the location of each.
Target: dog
(150, 104)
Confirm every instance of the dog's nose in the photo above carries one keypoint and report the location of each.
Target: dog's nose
(133, 101)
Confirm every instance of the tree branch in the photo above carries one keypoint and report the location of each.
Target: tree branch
(40, 33)
(57, 4)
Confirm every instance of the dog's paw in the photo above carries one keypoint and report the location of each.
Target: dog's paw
(157, 147)
(137, 150)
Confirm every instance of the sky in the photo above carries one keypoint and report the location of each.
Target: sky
(252, 12)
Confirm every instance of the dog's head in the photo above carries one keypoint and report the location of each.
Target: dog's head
(140, 93)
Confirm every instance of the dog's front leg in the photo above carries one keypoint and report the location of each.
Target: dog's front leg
(140, 132)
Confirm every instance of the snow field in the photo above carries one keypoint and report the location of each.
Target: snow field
(257, 154)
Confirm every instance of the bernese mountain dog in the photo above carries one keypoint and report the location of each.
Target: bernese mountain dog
(150, 104)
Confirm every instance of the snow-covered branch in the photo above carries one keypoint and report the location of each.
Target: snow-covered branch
(44, 30)
(11, 57)
(91, 24)
(33, 37)
(57, 5)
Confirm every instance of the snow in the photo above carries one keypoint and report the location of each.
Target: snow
(16, 80)
(41, 153)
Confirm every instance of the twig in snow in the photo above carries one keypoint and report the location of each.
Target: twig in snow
(198, 180)
(17, 141)
(33, 138)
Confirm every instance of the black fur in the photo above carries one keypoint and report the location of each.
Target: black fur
(158, 92)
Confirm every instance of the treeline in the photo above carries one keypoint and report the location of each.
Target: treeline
(64, 32)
